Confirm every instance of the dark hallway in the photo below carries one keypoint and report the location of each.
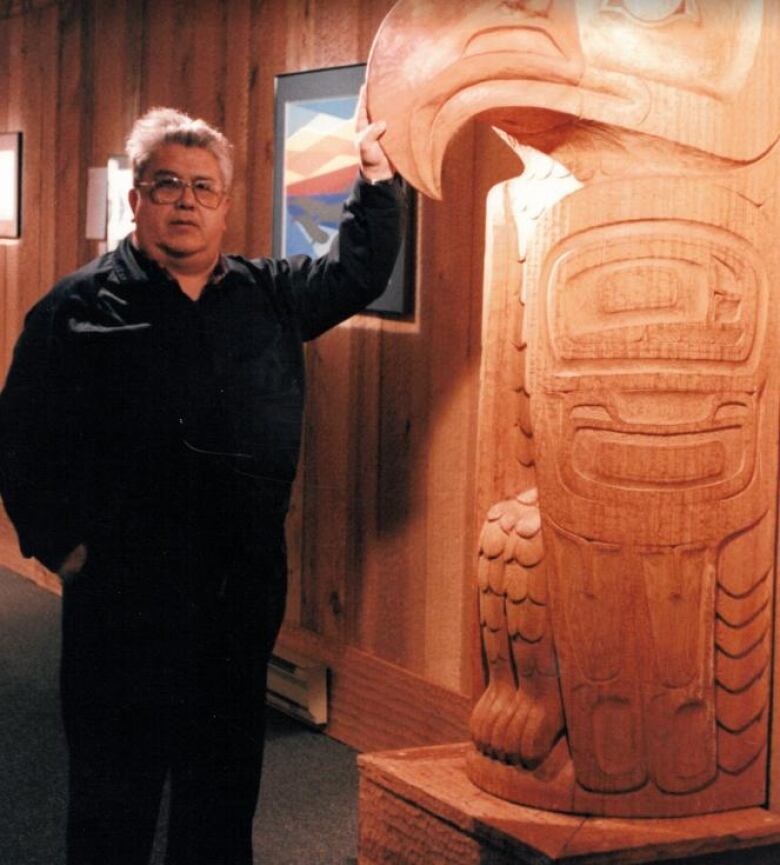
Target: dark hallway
(307, 805)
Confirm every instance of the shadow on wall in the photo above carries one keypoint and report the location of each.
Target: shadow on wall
(386, 504)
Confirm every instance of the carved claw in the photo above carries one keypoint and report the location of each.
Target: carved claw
(504, 743)
(490, 706)
(531, 737)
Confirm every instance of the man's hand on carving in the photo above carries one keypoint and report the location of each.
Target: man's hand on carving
(374, 164)
(74, 562)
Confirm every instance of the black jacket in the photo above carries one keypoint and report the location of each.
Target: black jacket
(122, 390)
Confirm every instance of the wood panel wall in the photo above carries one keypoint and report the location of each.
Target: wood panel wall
(383, 527)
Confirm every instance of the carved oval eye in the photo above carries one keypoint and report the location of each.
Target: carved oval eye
(653, 11)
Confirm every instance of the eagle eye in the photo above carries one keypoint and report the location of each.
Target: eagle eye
(653, 12)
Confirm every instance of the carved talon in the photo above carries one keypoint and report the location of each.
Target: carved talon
(479, 716)
(483, 718)
(526, 727)
(532, 738)
(505, 744)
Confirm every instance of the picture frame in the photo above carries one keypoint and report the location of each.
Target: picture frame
(315, 165)
(119, 216)
(10, 184)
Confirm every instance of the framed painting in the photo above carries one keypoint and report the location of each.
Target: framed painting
(10, 183)
(315, 167)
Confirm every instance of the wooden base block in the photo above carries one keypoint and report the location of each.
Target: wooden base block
(553, 787)
(417, 807)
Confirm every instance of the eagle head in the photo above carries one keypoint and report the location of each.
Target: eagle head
(685, 71)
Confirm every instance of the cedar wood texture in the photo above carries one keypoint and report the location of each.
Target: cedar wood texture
(383, 528)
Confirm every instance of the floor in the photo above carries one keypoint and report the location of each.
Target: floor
(307, 810)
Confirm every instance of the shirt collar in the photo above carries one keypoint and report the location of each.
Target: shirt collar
(220, 271)
(152, 268)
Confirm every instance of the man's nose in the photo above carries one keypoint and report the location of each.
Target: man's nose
(187, 198)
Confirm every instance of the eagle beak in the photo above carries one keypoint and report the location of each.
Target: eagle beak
(435, 64)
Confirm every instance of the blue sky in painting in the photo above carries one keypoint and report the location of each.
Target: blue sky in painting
(299, 242)
(301, 113)
(326, 208)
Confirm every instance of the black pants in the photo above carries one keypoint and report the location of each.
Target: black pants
(163, 676)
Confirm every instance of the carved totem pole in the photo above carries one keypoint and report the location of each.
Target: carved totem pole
(629, 408)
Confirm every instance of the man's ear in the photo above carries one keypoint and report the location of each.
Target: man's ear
(133, 196)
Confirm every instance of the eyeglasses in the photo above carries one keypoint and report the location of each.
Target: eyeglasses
(170, 190)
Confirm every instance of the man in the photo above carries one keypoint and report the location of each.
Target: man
(150, 427)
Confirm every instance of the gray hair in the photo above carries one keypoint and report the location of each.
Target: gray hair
(168, 126)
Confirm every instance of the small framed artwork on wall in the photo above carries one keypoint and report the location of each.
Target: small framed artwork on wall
(315, 166)
(119, 222)
(10, 183)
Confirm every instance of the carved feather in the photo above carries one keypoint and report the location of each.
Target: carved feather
(524, 447)
(495, 575)
(530, 552)
(528, 496)
(736, 752)
(736, 674)
(523, 405)
(528, 523)
(493, 539)
(483, 578)
(492, 611)
(526, 621)
(738, 612)
(736, 712)
(746, 558)
(517, 582)
(495, 645)
(739, 642)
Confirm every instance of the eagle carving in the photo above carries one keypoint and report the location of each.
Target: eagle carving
(629, 400)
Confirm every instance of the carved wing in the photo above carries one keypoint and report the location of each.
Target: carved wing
(743, 635)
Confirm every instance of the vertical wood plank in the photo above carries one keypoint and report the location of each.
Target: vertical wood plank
(237, 37)
(46, 35)
(160, 66)
(73, 87)
(201, 50)
(116, 31)
(38, 57)
(329, 550)
(267, 59)
(393, 592)
(15, 121)
(116, 35)
(455, 359)
(8, 326)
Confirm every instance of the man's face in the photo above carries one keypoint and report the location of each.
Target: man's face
(185, 235)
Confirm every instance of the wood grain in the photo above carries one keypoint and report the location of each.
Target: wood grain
(417, 805)
(373, 705)
(627, 444)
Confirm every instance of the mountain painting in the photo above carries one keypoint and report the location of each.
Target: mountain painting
(320, 163)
